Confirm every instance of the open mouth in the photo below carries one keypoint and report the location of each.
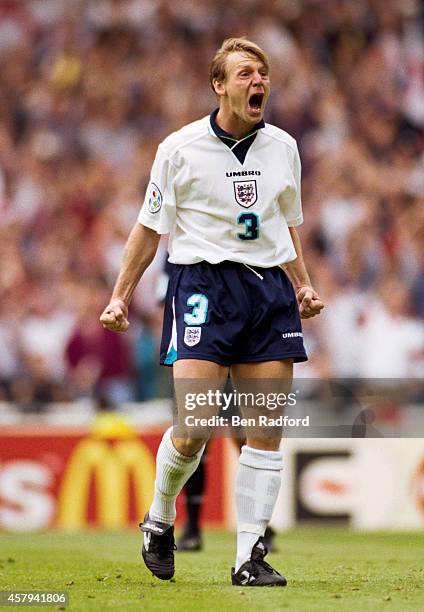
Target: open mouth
(255, 101)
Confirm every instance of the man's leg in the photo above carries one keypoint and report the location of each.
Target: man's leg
(258, 476)
(173, 469)
(191, 538)
(176, 460)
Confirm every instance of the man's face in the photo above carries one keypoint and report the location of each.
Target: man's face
(246, 88)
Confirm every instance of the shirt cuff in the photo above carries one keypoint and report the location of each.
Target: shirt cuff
(295, 222)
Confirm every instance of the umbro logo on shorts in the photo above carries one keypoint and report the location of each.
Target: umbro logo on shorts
(147, 537)
(291, 335)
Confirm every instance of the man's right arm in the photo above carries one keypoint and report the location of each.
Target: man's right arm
(139, 252)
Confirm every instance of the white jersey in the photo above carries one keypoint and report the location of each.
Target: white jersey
(214, 207)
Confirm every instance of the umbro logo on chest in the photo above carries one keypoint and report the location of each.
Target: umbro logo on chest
(244, 173)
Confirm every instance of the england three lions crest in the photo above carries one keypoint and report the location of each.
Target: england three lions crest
(192, 335)
(246, 193)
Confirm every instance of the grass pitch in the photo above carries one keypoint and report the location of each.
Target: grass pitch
(326, 569)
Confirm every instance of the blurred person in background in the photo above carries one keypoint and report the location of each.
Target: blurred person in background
(392, 339)
(42, 337)
(100, 364)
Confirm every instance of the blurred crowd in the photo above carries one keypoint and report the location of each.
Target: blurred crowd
(88, 88)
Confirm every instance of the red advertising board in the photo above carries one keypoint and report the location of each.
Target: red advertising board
(74, 479)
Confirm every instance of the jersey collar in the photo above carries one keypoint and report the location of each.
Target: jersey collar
(223, 135)
(238, 147)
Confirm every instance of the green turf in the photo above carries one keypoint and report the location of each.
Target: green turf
(326, 569)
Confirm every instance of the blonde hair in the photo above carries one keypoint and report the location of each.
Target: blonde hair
(217, 70)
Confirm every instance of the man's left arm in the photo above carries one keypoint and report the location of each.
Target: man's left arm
(310, 304)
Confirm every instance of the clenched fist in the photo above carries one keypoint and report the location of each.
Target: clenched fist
(310, 304)
(115, 316)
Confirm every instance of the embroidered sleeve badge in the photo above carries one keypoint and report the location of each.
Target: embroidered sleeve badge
(155, 199)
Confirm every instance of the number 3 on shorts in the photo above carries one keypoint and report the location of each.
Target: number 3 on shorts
(197, 316)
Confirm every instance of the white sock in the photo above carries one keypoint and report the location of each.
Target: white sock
(172, 472)
(245, 543)
(257, 486)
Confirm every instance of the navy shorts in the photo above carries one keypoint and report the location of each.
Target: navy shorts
(226, 314)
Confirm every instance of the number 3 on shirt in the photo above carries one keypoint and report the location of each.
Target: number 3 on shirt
(200, 309)
(251, 223)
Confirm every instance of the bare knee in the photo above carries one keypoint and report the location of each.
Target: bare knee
(188, 446)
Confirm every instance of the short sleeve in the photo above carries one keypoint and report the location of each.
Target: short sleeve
(158, 211)
(292, 207)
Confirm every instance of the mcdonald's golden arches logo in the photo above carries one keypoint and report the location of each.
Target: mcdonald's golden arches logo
(110, 465)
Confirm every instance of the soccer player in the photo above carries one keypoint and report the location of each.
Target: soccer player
(227, 190)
